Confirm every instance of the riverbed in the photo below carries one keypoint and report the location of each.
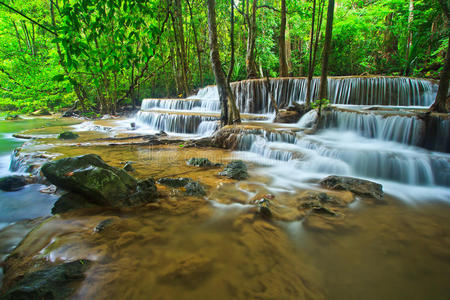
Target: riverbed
(217, 247)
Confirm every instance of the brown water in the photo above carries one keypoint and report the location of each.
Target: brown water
(190, 248)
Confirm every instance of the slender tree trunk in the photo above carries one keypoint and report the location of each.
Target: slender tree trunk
(221, 81)
(442, 101)
(288, 48)
(250, 59)
(180, 49)
(390, 41)
(215, 62)
(410, 20)
(197, 45)
(17, 36)
(174, 70)
(234, 116)
(310, 74)
(282, 41)
(326, 50)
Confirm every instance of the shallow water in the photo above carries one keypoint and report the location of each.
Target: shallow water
(190, 248)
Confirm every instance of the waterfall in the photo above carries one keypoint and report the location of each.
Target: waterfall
(390, 145)
(432, 134)
(252, 95)
(176, 123)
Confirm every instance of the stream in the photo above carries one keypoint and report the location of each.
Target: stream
(185, 247)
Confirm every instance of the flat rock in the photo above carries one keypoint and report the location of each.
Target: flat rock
(357, 186)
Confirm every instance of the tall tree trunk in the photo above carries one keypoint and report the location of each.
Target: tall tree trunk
(215, 62)
(282, 42)
(326, 50)
(250, 59)
(197, 45)
(410, 20)
(177, 23)
(442, 101)
(390, 41)
(310, 74)
(234, 114)
(288, 48)
(315, 47)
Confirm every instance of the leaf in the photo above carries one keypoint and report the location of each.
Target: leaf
(59, 78)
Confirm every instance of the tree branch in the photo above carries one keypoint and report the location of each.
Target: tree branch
(28, 18)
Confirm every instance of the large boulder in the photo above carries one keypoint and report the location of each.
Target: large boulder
(91, 177)
(235, 170)
(12, 183)
(357, 186)
(57, 282)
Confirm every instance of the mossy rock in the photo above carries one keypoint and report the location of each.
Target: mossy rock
(194, 188)
(235, 170)
(200, 162)
(91, 177)
(12, 183)
(68, 135)
(56, 282)
(12, 117)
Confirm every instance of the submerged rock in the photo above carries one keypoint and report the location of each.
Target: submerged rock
(128, 167)
(55, 282)
(194, 188)
(235, 170)
(355, 185)
(174, 182)
(102, 225)
(264, 208)
(191, 187)
(68, 135)
(146, 192)
(12, 183)
(200, 162)
(91, 177)
(70, 201)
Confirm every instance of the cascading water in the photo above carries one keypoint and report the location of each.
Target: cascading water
(390, 146)
(409, 130)
(252, 95)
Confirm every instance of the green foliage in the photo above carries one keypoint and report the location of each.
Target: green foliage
(110, 52)
(320, 103)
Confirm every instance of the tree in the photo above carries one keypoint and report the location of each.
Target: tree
(442, 101)
(282, 42)
(326, 50)
(313, 47)
(219, 74)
